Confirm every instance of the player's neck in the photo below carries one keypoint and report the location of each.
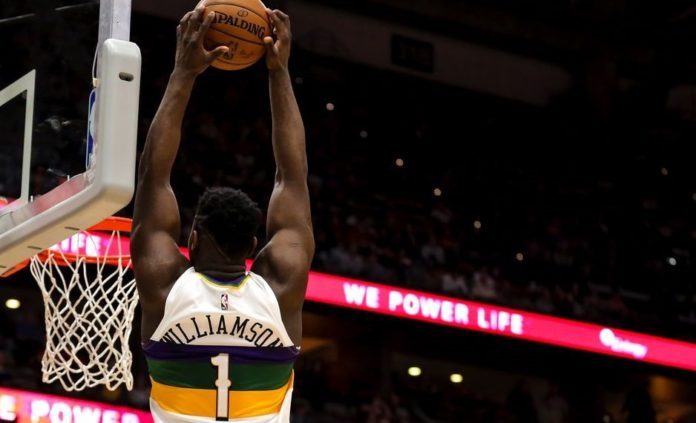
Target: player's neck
(220, 267)
(223, 274)
(210, 260)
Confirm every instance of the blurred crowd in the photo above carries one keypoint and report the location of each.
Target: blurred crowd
(407, 191)
(557, 209)
(416, 403)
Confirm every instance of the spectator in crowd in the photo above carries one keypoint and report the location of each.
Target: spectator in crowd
(454, 284)
(639, 406)
(5, 375)
(520, 403)
(553, 407)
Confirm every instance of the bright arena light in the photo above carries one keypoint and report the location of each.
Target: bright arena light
(12, 304)
(414, 371)
(437, 192)
(477, 224)
(456, 378)
(400, 162)
(330, 107)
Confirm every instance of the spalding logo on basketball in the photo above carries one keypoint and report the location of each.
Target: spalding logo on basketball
(240, 25)
(258, 31)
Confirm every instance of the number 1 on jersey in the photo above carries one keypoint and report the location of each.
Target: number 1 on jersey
(222, 362)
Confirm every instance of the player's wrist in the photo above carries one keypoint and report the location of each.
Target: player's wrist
(182, 74)
(279, 72)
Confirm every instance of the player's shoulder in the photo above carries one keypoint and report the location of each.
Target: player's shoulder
(287, 273)
(155, 274)
(281, 264)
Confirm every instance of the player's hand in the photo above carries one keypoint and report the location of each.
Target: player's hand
(191, 57)
(278, 50)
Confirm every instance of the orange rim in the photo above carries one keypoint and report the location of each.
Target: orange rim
(16, 268)
(113, 223)
(65, 259)
(116, 225)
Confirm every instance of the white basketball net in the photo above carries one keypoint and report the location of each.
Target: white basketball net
(89, 313)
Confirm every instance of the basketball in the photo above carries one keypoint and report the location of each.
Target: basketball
(240, 25)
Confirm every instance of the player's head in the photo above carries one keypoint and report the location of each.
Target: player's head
(225, 224)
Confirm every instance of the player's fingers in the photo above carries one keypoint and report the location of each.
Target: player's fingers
(185, 18)
(206, 24)
(281, 25)
(283, 16)
(197, 17)
(198, 12)
(272, 19)
(184, 22)
(217, 52)
(268, 41)
(275, 19)
(270, 46)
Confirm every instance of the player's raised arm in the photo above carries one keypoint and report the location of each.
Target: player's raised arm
(156, 221)
(288, 255)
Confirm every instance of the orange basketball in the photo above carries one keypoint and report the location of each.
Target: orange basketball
(240, 25)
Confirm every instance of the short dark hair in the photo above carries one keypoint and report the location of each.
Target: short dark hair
(230, 217)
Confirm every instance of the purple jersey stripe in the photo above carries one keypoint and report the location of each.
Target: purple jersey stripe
(166, 351)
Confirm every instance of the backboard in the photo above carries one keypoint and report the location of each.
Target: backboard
(69, 88)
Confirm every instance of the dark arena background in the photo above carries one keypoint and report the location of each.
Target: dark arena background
(503, 193)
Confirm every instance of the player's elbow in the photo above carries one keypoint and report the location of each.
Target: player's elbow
(292, 174)
(146, 166)
(153, 174)
(137, 240)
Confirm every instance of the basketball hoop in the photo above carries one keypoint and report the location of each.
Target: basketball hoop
(89, 301)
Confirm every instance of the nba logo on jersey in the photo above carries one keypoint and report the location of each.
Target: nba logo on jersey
(223, 302)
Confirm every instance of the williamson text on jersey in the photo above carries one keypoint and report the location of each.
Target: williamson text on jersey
(201, 326)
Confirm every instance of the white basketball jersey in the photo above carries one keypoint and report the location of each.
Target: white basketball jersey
(221, 353)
